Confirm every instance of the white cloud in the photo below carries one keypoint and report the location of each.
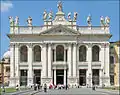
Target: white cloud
(5, 6)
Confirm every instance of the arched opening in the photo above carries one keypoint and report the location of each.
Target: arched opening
(82, 53)
(37, 53)
(23, 54)
(59, 53)
(95, 53)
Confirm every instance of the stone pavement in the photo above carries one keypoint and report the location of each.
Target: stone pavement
(109, 92)
(78, 91)
(21, 92)
(71, 91)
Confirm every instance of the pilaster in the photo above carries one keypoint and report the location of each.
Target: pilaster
(64, 76)
(44, 64)
(30, 70)
(17, 64)
(54, 76)
(70, 60)
(49, 61)
(74, 59)
(107, 77)
(89, 59)
(12, 65)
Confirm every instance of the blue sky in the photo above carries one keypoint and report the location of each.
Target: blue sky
(35, 9)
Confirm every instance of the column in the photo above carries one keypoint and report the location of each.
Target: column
(12, 65)
(30, 71)
(70, 60)
(64, 54)
(74, 59)
(101, 77)
(44, 61)
(17, 64)
(101, 72)
(49, 61)
(55, 55)
(64, 76)
(54, 76)
(89, 71)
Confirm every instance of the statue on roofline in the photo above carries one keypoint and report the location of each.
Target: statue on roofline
(16, 21)
(45, 15)
(69, 16)
(29, 21)
(89, 20)
(11, 21)
(75, 16)
(107, 21)
(59, 5)
(50, 15)
(102, 21)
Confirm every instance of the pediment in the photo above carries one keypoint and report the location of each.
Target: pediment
(60, 30)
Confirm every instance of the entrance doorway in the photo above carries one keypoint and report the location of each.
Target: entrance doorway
(37, 76)
(82, 77)
(60, 76)
(95, 76)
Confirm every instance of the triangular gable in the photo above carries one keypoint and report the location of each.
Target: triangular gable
(60, 30)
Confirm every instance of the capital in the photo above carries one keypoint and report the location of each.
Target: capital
(12, 44)
(30, 45)
(16, 44)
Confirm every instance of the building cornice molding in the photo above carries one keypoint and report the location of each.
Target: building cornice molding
(45, 35)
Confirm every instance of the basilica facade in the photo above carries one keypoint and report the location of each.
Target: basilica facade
(59, 52)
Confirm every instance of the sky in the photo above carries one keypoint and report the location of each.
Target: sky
(35, 9)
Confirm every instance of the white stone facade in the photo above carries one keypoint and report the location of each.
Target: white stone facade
(67, 34)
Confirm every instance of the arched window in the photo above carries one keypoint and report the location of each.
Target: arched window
(23, 54)
(59, 53)
(111, 59)
(82, 53)
(37, 53)
(95, 53)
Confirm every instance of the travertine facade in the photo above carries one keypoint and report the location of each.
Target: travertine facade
(44, 54)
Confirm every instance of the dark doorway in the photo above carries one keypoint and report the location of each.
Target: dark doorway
(23, 77)
(37, 76)
(59, 76)
(82, 77)
(95, 76)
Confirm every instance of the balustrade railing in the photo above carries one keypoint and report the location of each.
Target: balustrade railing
(81, 29)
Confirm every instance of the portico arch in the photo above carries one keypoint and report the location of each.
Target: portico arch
(82, 53)
(23, 53)
(59, 53)
(95, 53)
(37, 53)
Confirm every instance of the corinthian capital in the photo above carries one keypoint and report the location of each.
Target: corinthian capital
(11, 45)
(30, 45)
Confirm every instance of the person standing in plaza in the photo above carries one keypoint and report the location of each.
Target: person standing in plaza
(45, 87)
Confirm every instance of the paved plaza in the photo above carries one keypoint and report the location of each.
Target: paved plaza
(71, 91)
(79, 91)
